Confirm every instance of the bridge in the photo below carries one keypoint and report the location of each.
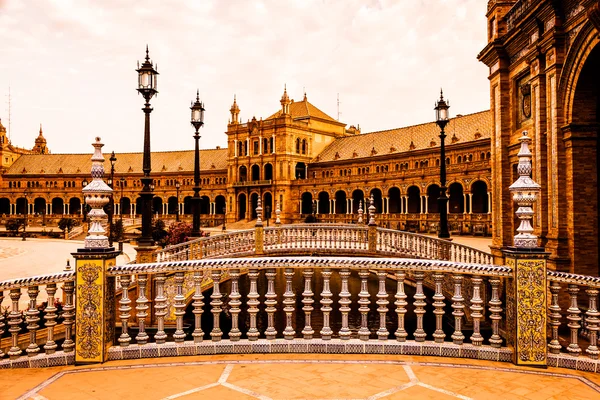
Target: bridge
(514, 311)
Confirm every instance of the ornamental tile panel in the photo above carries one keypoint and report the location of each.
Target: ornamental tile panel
(432, 349)
(335, 348)
(205, 348)
(131, 352)
(413, 349)
(223, 348)
(186, 349)
(242, 348)
(167, 350)
(354, 348)
(149, 351)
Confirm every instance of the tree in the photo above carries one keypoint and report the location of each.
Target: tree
(14, 225)
(179, 232)
(66, 224)
(159, 233)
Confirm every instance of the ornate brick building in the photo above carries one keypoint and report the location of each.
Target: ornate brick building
(544, 60)
(298, 157)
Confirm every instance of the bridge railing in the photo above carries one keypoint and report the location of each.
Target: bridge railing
(324, 239)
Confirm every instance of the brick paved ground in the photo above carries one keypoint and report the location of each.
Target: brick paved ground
(296, 376)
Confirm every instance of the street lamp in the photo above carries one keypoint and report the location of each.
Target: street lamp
(147, 77)
(225, 217)
(84, 206)
(177, 187)
(197, 121)
(441, 119)
(314, 210)
(111, 204)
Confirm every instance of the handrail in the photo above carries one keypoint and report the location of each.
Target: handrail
(57, 277)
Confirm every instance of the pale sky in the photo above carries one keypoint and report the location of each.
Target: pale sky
(71, 65)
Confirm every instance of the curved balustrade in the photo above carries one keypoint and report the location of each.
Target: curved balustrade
(324, 239)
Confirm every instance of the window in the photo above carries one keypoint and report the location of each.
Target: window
(297, 146)
(255, 147)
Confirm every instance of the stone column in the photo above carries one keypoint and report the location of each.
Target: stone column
(95, 312)
(333, 208)
(489, 198)
(426, 204)
(466, 202)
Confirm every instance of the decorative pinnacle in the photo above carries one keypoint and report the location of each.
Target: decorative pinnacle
(372, 210)
(259, 213)
(360, 212)
(277, 213)
(525, 192)
(197, 94)
(441, 94)
(147, 55)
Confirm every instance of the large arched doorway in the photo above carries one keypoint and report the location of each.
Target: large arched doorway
(340, 202)
(479, 197)
(394, 200)
(57, 206)
(267, 205)
(581, 167)
(22, 206)
(4, 206)
(172, 205)
(300, 172)
(414, 200)
(456, 198)
(157, 205)
(187, 205)
(243, 174)
(377, 200)
(39, 206)
(306, 203)
(255, 170)
(268, 172)
(323, 203)
(241, 206)
(358, 196)
(204, 205)
(139, 206)
(220, 204)
(125, 206)
(254, 205)
(433, 194)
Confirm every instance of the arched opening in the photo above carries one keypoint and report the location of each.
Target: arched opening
(306, 207)
(254, 204)
(300, 170)
(377, 200)
(267, 205)
(220, 204)
(39, 206)
(304, 146)
(125, 205)
(582, 150)
(22, 206)
(323, 203)
(298, 146)
(255, 171)
(340, 202)
(204, 205)
(74, 205)
(157, 205)
(241, 206)
(187, 205)
(139, 206)
(479, 197)
(358, 196)
(172, 205)
(433, 194)
(268, 171)
(456, 198)
(4, 206)
(394, 200)
(243, 174)
(414, 200)
(58, 206)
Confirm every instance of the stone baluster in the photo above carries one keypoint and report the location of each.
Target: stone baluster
(198, 303)
(216, 304)
(438, 304)
(68, 315)
(476, 311)
(2, 324)
(270, 303)
(382, 301)
(364, 302)
(179, 305)
(235, 303)
(32, 321)
(555, 316)
(50, 317)
(289, 302)
(458, 305)
(14, 322)
(592, 321)
(253, 303)
(124, 309)
(495, 307)
(574, 320)
(344, 304)
(308, 301)
(160, 307)
(326, 303)
(419, 303)
(400, 304)
(141, 306)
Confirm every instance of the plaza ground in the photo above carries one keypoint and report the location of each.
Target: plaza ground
(298, 376)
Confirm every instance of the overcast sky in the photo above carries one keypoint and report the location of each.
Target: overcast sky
(71, 64)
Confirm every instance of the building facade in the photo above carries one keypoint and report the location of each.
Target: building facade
(300, 159)
(544, 59)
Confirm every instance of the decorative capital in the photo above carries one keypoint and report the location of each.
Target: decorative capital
(525, 191)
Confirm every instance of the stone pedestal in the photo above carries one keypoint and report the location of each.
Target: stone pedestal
(95, 306)
(526, 305)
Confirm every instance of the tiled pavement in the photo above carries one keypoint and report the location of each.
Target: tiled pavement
(298, 377)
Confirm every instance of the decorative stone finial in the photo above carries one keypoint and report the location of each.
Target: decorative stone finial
(277, 213)
(372, 211)
(97, 194)
(259, 210)
(360, 212)
(525, 192)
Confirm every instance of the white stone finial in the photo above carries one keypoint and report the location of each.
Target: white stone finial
(360, 213)
(372, 210)
(525, 191)
(97, 194)
(277, 213)
(259, 213)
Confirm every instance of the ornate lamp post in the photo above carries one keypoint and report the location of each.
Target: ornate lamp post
(197, 121)
(225, 217)
(111, 204)
(147, 77)
(442, 118)
(84, 205)
(177, 187)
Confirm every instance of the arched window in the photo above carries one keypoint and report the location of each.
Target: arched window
(297, 146)
(304, 146)
(459, 159)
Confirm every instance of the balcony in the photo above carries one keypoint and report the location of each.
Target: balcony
(266, 182)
